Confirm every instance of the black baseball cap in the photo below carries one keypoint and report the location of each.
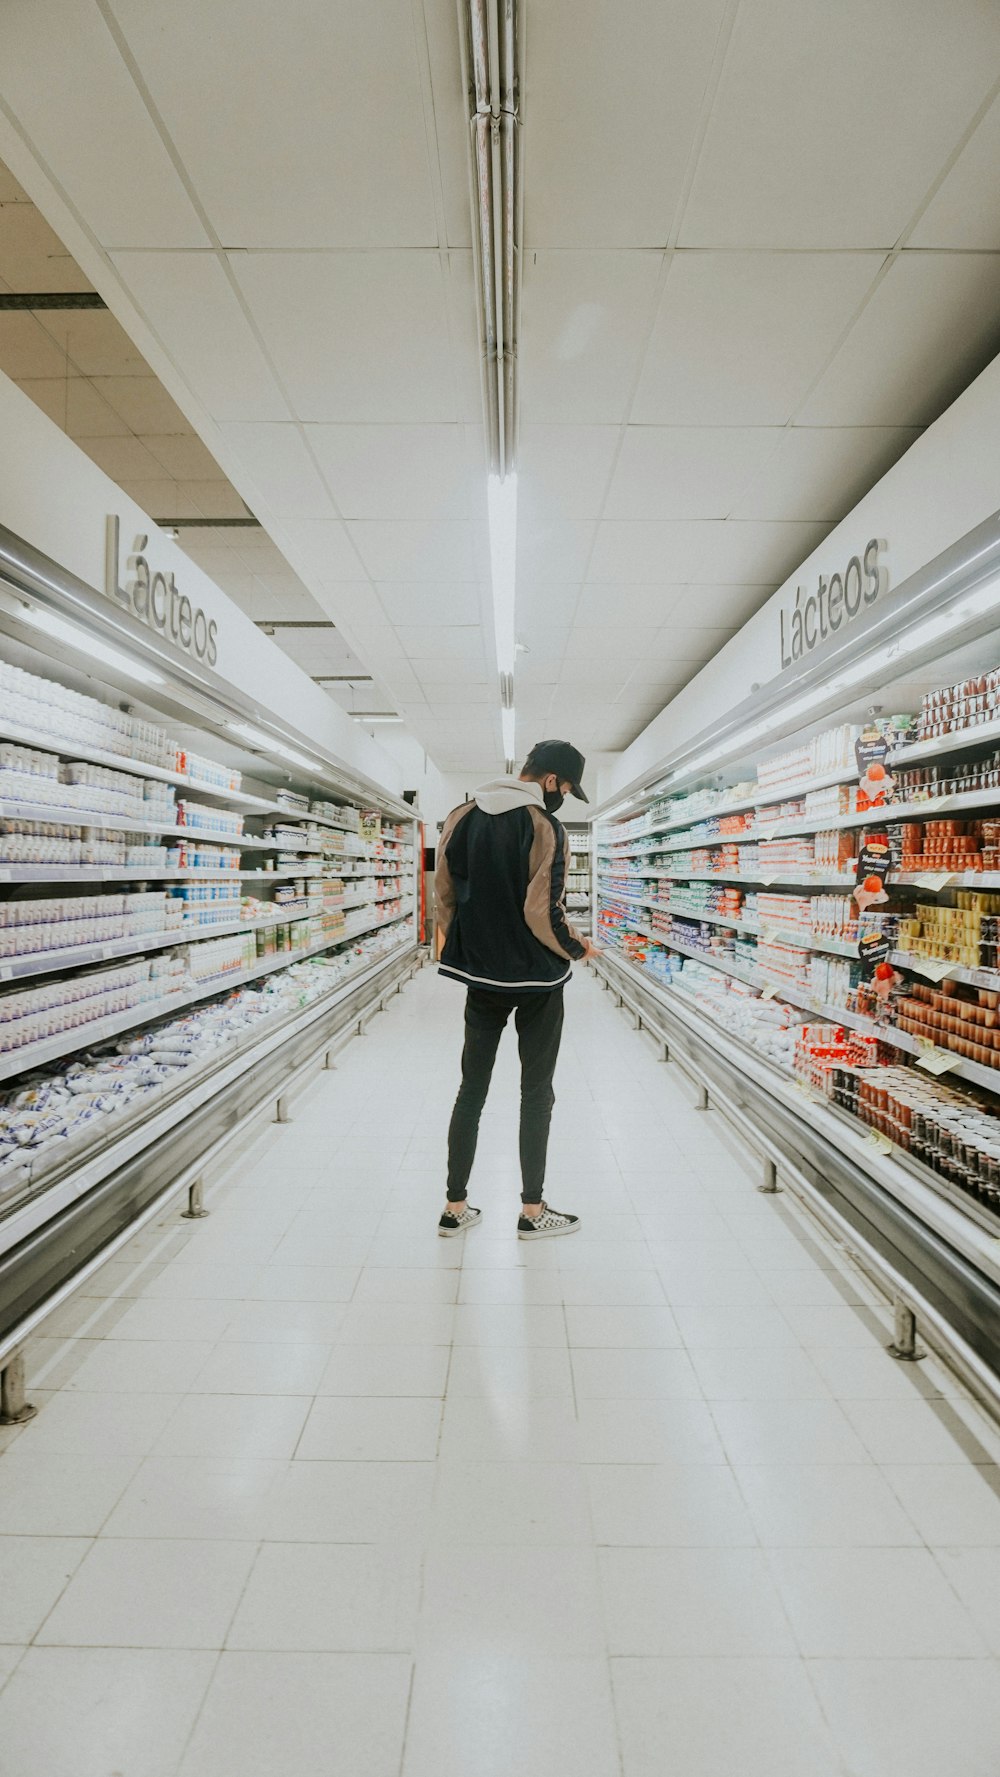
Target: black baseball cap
(558, 756)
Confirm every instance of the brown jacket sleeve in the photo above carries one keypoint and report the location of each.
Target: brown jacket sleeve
(544, 912)
(444, 888)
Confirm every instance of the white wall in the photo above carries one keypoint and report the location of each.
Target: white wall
(418, 773)
(55, 498)
(947, 483)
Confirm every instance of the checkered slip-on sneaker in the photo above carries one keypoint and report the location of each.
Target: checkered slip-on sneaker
(466, 1218)
(548, 1223)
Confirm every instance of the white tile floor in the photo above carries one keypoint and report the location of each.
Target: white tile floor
(312, 1491)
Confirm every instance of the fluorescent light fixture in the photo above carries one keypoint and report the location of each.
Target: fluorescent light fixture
(507, 728)
(267, 744)
(375, 716)
(501, 501)
(61, 631)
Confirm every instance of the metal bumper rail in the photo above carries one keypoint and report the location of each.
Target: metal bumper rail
(39, 1273)
(932, 1286)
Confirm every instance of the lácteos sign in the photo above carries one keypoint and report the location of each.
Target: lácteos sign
(815, 616)
(152, 595)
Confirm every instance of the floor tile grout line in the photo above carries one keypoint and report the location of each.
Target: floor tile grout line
(210, 1680)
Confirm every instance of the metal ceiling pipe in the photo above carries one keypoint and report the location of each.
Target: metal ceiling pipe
(490, 40)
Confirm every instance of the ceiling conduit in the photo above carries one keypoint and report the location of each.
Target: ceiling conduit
(490, 45)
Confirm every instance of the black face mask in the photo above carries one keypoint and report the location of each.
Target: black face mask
(553, 800)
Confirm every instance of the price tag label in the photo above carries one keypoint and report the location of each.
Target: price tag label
(934, 968)
(6, 973)
(815, 1003)
(769, 990)
(933, 879)
(767, 880)
(807, 1091)
(876, 1139)
(935, 1060)
(4, 875)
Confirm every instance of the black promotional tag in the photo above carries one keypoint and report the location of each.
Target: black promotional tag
(873, 867)
(871, 750)
(873, 948)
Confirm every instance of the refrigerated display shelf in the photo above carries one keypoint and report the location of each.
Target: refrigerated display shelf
(75, 956)
(959, 1218)
(917, 752)
(73, 750)
(60, 1192)
(975, 1072)
(766, 881)
(101, 1030)
(15, 873)
(67, 815)
(721, 963)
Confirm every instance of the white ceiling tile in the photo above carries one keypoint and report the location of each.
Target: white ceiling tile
(143, 403)
(457, 644)
(539, 669)
(183, 456)
(190, 303)
(739, 337)
(290, 600)
(320, 548)
(316, 650)
(451, 118)
(354, 336)
(88, 415)
(563, 471)
(685, 471)
(408, 552)
(463, 332)
(822, 472)
(161, 499)
(248, 593)
(584, 320)
(964, 211)
(65, 81)
(442, 693)
(122, 458)
(610, 641)
(278, 463)
(613, 106)
(554, 551)
(27, 350)
(95, 343)
(32, 256)
(545, 604)
(51, 393)
(783, 164)
(719, 607)
(399, 680)
(396, 472)
(424, 602)
(216, 499)
(297, 132)
(932, 325)
(544, 642)
(709, 551)
(642, 604)
(694, 642)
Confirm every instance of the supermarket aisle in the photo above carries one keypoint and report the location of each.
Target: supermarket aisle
(318, 1492)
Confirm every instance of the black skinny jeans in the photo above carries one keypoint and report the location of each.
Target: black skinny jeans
(538, 1018)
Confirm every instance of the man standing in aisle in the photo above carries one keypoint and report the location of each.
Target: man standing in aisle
(501, 874)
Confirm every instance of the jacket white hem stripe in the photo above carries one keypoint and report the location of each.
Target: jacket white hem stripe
(485, 981)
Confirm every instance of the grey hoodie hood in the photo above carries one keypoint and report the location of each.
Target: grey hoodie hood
(505, 793)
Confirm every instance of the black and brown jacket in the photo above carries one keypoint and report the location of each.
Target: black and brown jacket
(501, 876)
